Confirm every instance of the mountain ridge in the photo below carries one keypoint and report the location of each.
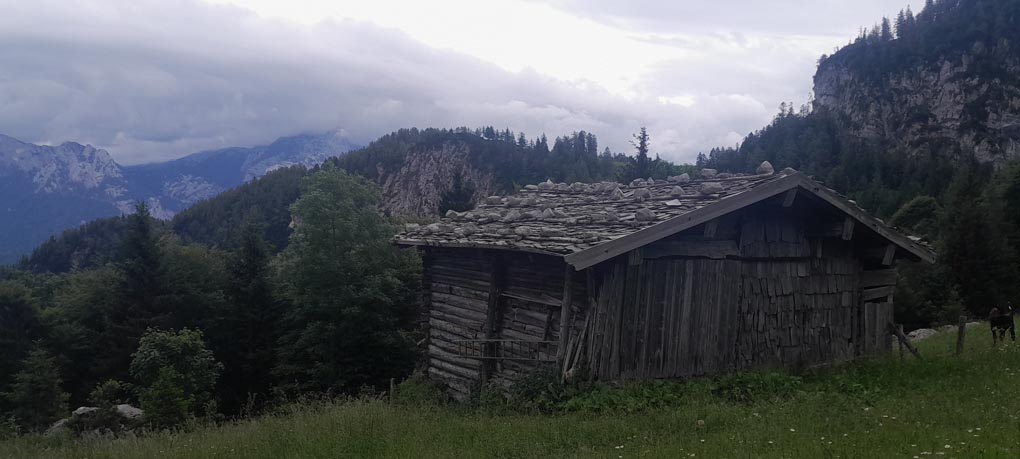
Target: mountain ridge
(46, 189)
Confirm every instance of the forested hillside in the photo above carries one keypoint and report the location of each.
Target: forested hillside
(421, 173)
(916, 121)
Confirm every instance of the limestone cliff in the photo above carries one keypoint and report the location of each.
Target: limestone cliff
(946, 103)
(427, 174)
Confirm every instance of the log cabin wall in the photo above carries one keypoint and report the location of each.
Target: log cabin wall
(494, 314)
(757, 288)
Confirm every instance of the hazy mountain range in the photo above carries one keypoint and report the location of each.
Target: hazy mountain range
(47, 189)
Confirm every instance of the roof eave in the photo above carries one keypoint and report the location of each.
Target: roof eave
(595, 255)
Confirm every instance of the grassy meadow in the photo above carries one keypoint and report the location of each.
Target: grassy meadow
(941, 407)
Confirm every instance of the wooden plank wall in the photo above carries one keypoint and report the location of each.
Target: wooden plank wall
(527, 309)
(676, 326)
(781, 300)
(459, 295)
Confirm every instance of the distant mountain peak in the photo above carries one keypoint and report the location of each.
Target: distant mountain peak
(48, 188)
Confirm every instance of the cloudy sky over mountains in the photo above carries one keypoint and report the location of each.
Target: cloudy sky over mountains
(153, 80)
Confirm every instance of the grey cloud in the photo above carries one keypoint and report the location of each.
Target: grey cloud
(152, 81)
(834, 18)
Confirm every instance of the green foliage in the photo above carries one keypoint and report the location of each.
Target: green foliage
(221, 220)
(175, 375)
(351, 291)
(750, 387)
(919, 216)
(36, 396)
(875, 408)
(92, 244)
(164, 400)
(244, 329)
(974, 249)
(459, 198)
(19, 327)
(419, 391)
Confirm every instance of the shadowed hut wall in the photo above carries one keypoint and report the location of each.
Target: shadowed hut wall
(525, 314)
(751, 290)
(459, 284)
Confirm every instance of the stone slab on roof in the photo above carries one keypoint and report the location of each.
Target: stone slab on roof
(562, 219)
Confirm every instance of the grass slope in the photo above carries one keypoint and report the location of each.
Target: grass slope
(941, 407)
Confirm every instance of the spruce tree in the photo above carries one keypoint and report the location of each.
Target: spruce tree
(36, 396)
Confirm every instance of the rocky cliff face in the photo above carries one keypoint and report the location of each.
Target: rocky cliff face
(946, 104)
(417, 188)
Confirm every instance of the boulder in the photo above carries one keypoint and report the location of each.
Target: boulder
(84, 411)
(921, 334)
(644, 215)
(522, 231)
(708, 188)
(683, 178)
(765, 168)
(494, 200)
(58, 427)
(129, 412)
(637, 182)
(788, 171)
(641, 194)
(531, 187)
(411, 227)
(676, 192)
(708, 173)
(612, 216)
(578, 186)
(562, 187)
(548, 213)
(617, 194)
(452, 214)
(513, 202)
(546, 185)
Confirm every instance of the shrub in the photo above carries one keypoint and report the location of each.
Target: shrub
(165, 403)
(175, 374)
(419, 391)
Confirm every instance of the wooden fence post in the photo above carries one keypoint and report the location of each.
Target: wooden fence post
(960, 334)
(899, 330)
(904, 341)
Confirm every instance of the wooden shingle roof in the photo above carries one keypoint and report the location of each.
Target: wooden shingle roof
(590, 223)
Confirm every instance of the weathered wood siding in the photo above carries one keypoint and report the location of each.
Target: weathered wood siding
(458, 300)
(753, 291)
(526, 308)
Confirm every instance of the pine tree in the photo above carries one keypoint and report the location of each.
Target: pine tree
(886, 33)
(245, 333)
(19, 327)
(642, 163)
(974, 249)
(36, 396)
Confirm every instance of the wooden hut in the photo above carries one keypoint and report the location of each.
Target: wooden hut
(656, 279)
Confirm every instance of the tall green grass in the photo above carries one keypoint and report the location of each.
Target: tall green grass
(941, 407)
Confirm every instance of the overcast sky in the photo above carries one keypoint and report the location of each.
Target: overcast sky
(153, 80)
